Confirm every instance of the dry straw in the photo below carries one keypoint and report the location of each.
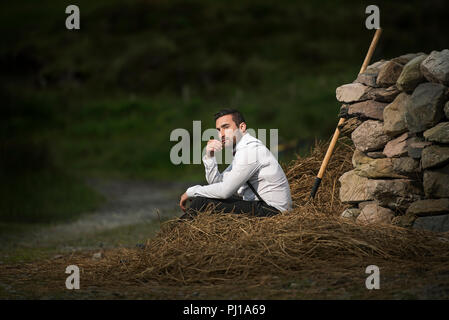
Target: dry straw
(222, 248)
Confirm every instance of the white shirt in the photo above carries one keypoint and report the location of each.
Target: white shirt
(252, 162)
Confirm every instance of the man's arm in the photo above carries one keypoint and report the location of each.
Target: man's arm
(242, 169)
(212, 173)
(210, 162)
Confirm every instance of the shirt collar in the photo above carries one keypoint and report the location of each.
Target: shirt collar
(241, 142)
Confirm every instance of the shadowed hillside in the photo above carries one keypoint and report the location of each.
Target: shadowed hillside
(102, 100)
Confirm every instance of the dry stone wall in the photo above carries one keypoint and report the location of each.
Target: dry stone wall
(397, 115)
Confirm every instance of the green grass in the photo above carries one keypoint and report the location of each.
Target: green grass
(125, 236)
(25, 255)
(45, 196)
(102, 101)
(32, 250)
(130, 137)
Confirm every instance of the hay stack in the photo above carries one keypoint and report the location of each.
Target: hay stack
(224, 248)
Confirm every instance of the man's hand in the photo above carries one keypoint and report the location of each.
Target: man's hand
(212, 146)
(182, 202)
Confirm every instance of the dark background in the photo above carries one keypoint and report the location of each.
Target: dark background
(101, 101)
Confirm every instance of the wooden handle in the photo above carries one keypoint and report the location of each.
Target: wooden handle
(370, 50)
(333, 142)
(330, 149)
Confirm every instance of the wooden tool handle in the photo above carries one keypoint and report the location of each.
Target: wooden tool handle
(370, 50)
(333, 142)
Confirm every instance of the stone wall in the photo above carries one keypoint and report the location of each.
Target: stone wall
(397, 115)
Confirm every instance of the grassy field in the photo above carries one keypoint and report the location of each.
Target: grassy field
(101, 101)
(125, 236)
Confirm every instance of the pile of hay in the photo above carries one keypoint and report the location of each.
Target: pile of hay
(301, 174)
(217, 248)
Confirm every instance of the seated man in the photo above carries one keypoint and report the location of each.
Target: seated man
(254, 183)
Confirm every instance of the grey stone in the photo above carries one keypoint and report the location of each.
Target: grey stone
(415, 145)
(389, 74)
(376, 154)
(446, 110)
(436, 182)
(411, 75)
(435, 156)
(352, 92)
(406, 166)
(344, 112)
(398, 146)
(439, 133)
(429, 207)
(351, 213)
(394, 115)
(425, 109)
(359, 158)
(369, 167)
(367, 78)
(436, 67)
(376, 66)
(369, 136)
(365, 203)
(406, 58)
(433, 223)
(347, 127)
(377, 168)
(387, 168)
(382, 94)
(353, 188)
(373, 213)
(369, 109)
(396, 194)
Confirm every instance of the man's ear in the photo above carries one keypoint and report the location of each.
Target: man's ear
(243, 127)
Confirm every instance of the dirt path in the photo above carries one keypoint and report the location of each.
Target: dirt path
(128, 203)
(131, 214)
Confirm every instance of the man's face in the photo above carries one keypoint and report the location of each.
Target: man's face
(228, 132)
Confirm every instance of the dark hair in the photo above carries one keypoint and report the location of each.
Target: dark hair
(237, 117)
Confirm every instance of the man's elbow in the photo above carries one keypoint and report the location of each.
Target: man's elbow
(212, 180)
(227, 192)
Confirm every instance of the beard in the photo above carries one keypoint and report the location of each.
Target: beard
(231, 140)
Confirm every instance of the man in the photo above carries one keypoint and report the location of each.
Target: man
(254, 183)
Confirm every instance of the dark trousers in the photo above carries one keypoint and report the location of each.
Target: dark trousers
(231, 205)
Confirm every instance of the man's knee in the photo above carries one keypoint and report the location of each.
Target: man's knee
(198, 203)
(202, 204)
